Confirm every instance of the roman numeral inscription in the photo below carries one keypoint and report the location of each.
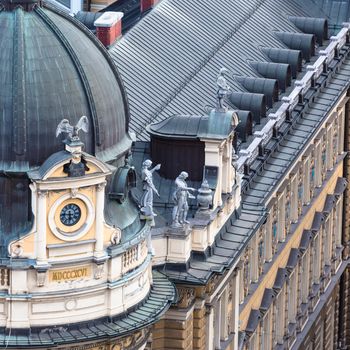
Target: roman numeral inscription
(70, 274)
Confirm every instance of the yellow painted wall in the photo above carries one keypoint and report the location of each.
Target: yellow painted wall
(281, 260)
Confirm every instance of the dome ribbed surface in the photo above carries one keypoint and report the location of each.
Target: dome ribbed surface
(52, 68)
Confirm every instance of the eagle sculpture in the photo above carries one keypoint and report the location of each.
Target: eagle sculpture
(72, 131)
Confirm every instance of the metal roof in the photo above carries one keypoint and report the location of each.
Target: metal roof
(170, 60)
(47, 76)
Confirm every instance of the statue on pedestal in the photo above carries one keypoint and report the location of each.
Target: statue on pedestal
(180, 197)
(222, 89)
(148, 188)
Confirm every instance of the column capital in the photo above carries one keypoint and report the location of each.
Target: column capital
(101, 186)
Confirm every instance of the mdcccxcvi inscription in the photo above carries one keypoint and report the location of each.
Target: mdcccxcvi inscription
(71, 274)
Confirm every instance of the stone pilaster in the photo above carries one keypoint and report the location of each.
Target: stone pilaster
(176, 329)
(199, 327)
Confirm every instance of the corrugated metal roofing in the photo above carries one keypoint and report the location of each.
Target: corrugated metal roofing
(170, 60)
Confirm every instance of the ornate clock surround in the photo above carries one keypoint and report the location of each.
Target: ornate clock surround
(81, 227)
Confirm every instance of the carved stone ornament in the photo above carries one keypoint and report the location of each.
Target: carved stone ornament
(212, 283)
(74, 192)
(70, 304)
(115, 237)
(100, 187)
(16, 249)
(98, 271)
(186, 297)
(40, 278)
(204, 196)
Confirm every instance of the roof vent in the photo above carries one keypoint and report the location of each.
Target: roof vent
(268, 87)
(279, 71)
(299, 41)
(255, 103)
(316, 26)
(291, 57)
(245, 125)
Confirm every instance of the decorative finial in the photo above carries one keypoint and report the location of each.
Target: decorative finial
(73, 131)
(222, 89)
(204, 196)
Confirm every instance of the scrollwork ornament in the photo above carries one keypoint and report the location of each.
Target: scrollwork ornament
(186, 297)
(101, 186)
(74, 192)
(40, 278)
(115, 237)
(16, 249)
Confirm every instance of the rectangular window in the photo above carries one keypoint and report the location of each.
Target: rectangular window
(217, 324)
(328, 236)
(312, 174)
(266, 333)
(335, 141)
(324, 156)
(316, 261)
(254, 269)
(341, 121)
(281, 219)
(253, 342)
(288, 208)
(305, 279)
(261, 252)
(268, 238)
(292, 297)
(306, 180)
(329, 147)
(280, 315)
(318, 163)
(223, 314)
(294, 198)
(338, 222)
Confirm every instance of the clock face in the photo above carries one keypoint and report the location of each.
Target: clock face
(70, 214)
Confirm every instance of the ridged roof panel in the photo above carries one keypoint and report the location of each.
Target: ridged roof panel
(172, 57)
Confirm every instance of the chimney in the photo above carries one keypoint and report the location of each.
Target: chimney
(109, 27)
(147, 5)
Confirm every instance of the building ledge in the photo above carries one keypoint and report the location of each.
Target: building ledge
(161, 296)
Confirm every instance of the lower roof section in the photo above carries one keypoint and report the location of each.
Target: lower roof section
(161, 296)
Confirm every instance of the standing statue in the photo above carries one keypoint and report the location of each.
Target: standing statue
(148, 188)
(223, 88)
(180, 197)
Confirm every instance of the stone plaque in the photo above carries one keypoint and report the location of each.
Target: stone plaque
(70, 274)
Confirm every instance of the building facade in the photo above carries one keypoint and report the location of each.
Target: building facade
(245, 210)
(266, 266)
(76, 268)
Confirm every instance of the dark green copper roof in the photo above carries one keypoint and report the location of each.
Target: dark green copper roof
(52, 67)
(162, 294)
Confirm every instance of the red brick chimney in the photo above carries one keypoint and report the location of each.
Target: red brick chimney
(109, 27)
(147, 4)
